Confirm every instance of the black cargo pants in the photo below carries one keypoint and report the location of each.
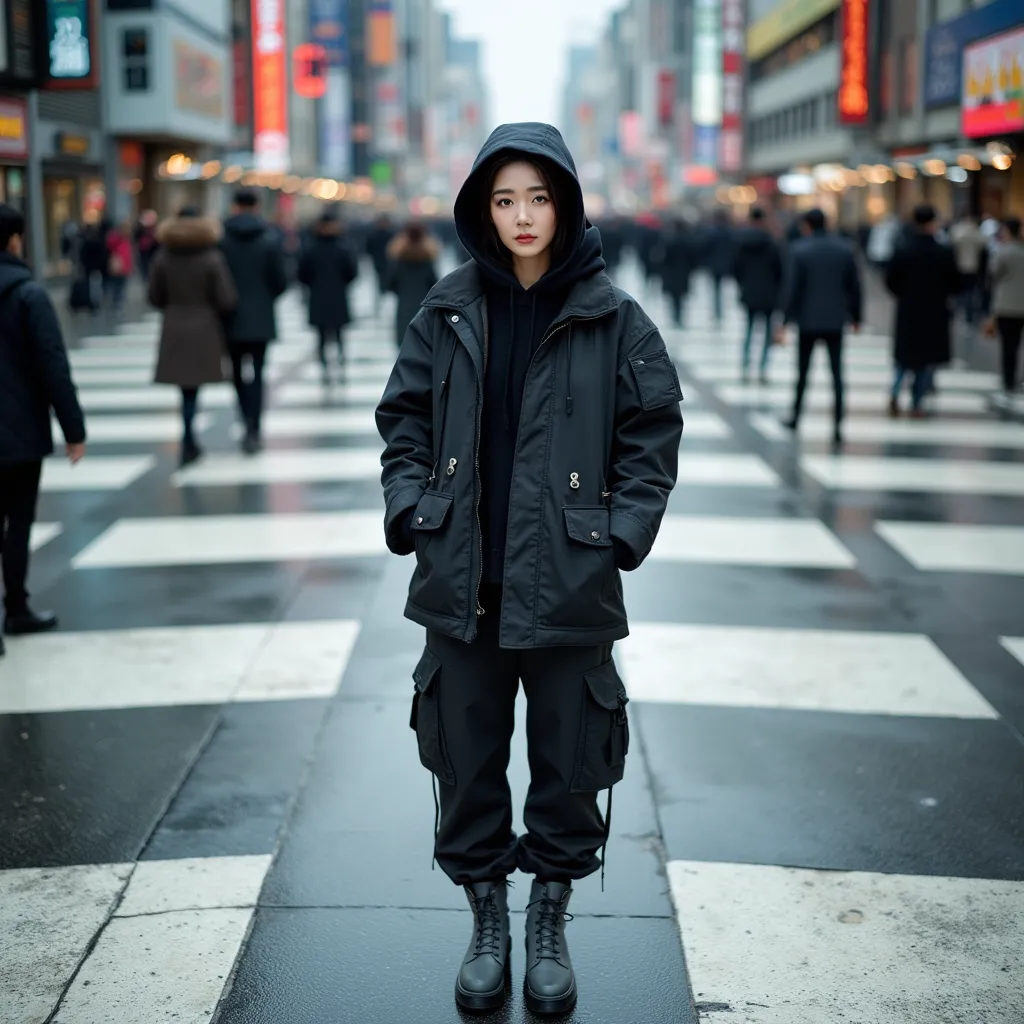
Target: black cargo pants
(577, 738)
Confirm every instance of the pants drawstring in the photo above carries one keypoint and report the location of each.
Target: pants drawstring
(437, 820)
(607, 834)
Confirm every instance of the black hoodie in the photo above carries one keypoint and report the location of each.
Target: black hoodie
(518, 318)
(256, 260)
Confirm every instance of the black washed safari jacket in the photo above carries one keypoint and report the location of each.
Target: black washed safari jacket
(596, 458)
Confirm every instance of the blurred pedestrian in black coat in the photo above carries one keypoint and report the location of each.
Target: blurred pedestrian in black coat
(377, 242)
(719, 252)
(923, 276)
(327, 267)
(758, 271)
(678, 260)
(412, 273)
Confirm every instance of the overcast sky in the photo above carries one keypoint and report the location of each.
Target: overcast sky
(525, 44)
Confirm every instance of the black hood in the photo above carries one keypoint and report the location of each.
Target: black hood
(541, 144)
(12, 271)
(245, 225)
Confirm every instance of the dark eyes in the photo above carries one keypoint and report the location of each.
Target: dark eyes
(506, 202)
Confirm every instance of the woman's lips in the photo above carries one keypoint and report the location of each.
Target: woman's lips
(526, 239)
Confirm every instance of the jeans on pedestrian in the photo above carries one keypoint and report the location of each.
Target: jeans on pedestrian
(749, 340)
(920, 387)
(116, 289)
(249, 355)
(675, 305)
(834, 343)
(19, 493)
(327, 335)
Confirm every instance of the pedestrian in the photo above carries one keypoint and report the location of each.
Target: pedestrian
(679, 258)
(822, 293)
(257, 264)
(120, 264)
(34, 378)
(882, 239)
(1008, 300)
(413, 256)
(377, 242)
(92, 258)
(923, 277)
(532, 430)
(146, 241)
(327, 267)
(191, 283)
(758, 272)
(969, 243)
(719, 254)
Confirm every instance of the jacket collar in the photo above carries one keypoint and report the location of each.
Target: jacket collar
(463, 290)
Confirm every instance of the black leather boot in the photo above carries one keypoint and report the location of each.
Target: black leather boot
(23, 623)
(487, 969)
(550, 985)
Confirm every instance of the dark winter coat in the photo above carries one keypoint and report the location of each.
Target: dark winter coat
(412, 272)
(191, 283)
(822, 291)
(923, 276)
(257, 264)
(679, 259)
(758, 270)
(595, 455)
(34, 372)
(327, 267)
(377, 242)
(719, 250)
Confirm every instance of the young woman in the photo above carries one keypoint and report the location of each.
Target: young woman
(327, 267)
(191, 283)
(532, 429)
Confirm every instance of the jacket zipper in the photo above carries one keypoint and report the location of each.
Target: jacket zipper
(476, 479)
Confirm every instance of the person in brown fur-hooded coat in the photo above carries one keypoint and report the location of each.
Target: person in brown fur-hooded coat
(411, 274)
(191, 283)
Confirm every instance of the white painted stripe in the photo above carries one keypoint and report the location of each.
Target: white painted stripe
(949, 547)
(43, 533)
(723, 540)
(703, 425)
(112, 376)
(197, 883)
(94, 473)
(269, 467)
(949, 476)
(213, 540)
(871, 430)
(48, 917)
(806, 669)
(213, 396)
(129, 429)
(166, 667)
(306, 393)
(1015, 645)
(773, 945)
(878, 377)
(319, 422)
(819, 396)
(726, 469)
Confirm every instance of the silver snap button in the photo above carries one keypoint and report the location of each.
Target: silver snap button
(452, 463)
(574, 481)
(419, 520)
(455, 319)
(595, 536)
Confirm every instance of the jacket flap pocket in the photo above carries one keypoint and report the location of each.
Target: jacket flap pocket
(431, 511)
(657, 380)
(589, 524)
(426, 671)
(606, 687)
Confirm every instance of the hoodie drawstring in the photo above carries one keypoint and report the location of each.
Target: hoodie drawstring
(568, 376)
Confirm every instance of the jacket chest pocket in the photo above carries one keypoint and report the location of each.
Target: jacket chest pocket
(430, 516)
(426, 719)
(604, 731)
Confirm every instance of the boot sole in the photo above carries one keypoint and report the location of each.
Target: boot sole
(486, 1002)
(550, 1007)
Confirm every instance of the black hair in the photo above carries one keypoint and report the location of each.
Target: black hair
(756, 214)
(924, 214)
(815, 219)
(247, 199)
(190, 211)
(1012, 225)
(489, 172)
(12, 222)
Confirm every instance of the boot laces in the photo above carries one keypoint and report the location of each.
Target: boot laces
(549, 917)
(488, 926)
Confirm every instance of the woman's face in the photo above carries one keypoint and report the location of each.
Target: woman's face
(523, 210)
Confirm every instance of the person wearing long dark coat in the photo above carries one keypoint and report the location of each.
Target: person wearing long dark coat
(411, 274)
(377, 241)
(758, 272)
(191, 283)
(924, 278)
(327, 267)
(679, 257)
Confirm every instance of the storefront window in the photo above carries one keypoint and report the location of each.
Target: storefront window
(68, 204)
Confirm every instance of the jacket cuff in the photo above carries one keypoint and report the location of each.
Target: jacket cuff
(633, 540)
(399, 509)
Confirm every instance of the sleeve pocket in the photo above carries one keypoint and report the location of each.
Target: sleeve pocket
(431, 511)
(657, 380)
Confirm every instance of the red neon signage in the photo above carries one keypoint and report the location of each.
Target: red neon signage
(854, 103)
(269, 86)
